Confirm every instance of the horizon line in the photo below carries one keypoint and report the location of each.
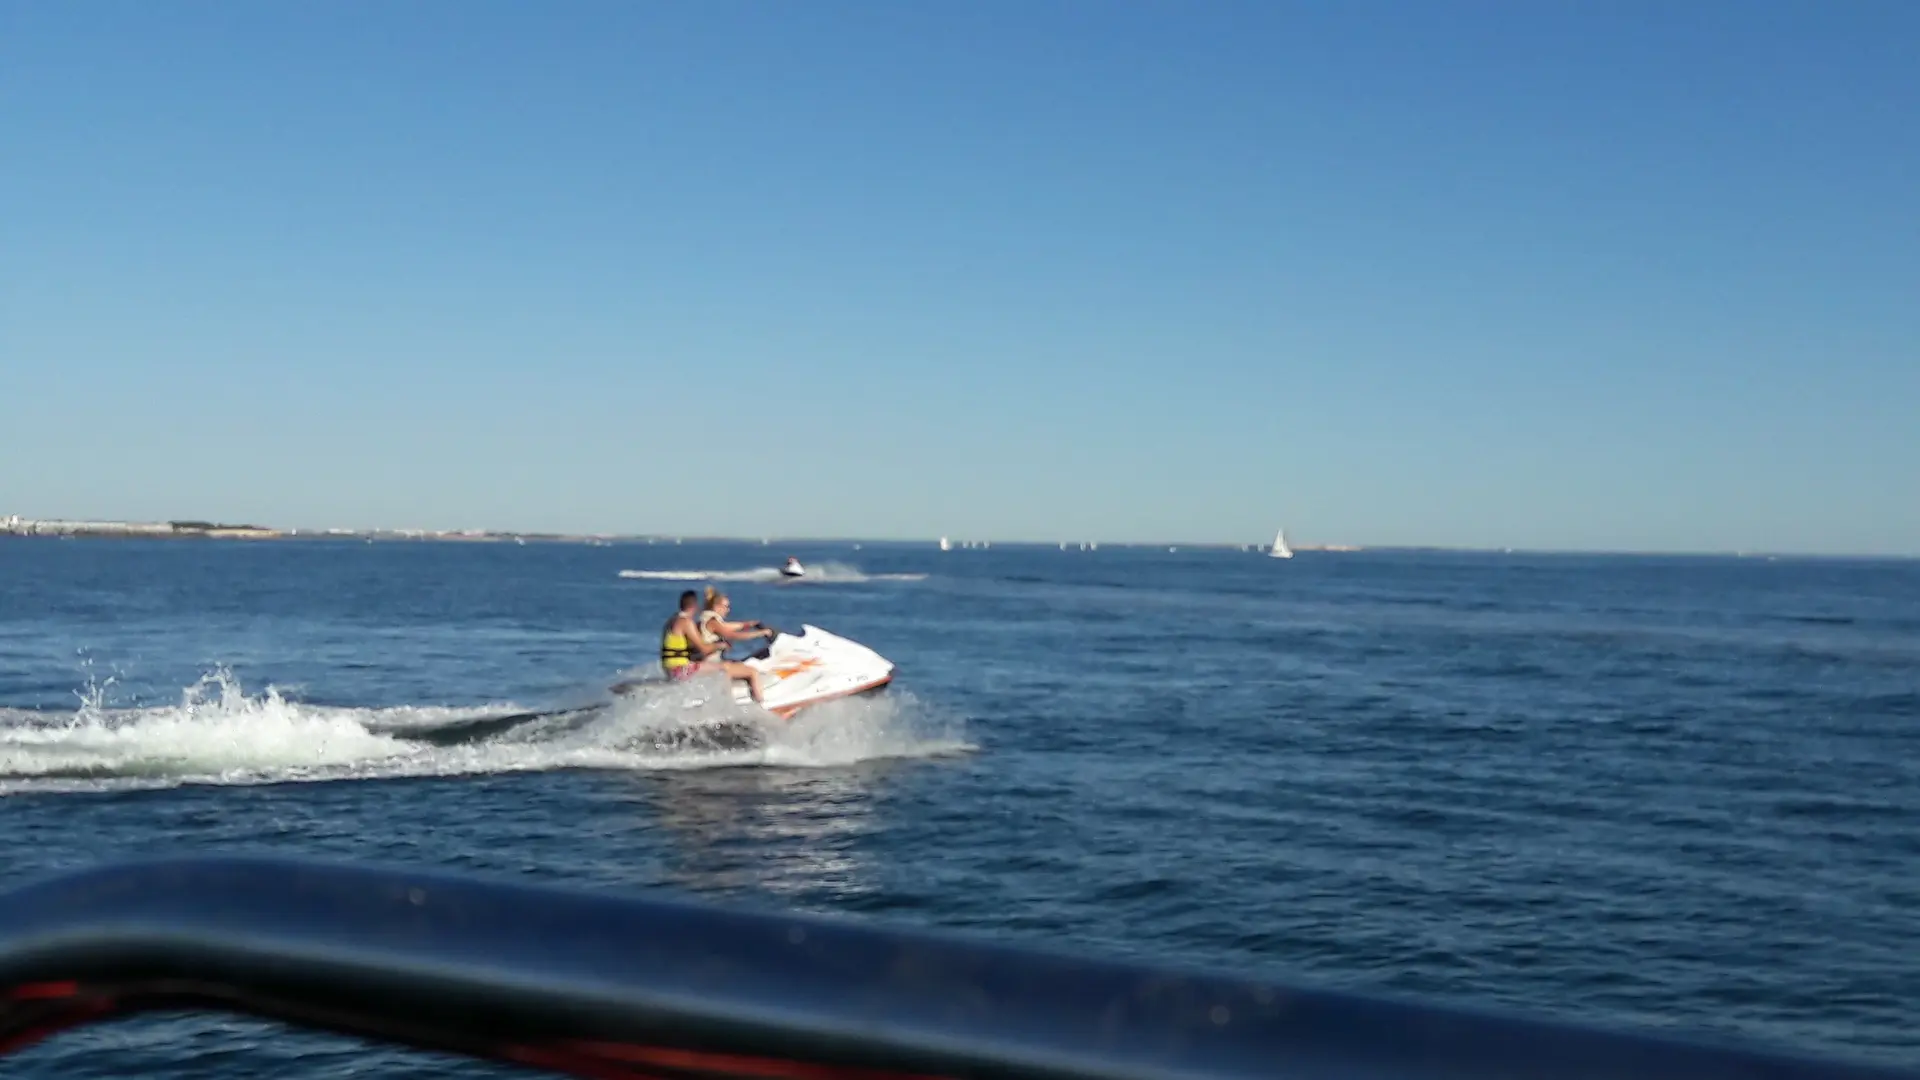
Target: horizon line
(12, 525)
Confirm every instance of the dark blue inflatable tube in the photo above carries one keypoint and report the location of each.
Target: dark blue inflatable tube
(607, 986)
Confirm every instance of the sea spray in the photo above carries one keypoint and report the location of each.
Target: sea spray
(826, 573)
(218, 733)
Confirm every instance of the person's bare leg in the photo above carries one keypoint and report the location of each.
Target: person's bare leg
(742, 671)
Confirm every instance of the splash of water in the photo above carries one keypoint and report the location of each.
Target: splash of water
(220, 734)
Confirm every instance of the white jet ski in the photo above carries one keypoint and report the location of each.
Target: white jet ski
(797, 671)
(806, 668)
(793, 568)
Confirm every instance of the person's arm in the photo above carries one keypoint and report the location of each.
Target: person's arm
(739, 631)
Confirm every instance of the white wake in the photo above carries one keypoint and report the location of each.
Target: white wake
(826, 573)
(220, 734)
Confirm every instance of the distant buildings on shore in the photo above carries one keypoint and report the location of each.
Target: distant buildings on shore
(19, 526)
(16, 525)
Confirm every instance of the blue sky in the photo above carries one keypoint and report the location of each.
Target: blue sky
(1580, 275)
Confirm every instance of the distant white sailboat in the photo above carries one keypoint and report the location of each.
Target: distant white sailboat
(1280, 550)
(945, 545)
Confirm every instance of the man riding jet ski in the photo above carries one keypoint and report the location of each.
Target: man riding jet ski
(793, 568)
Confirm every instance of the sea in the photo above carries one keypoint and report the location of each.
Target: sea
(1669, 793)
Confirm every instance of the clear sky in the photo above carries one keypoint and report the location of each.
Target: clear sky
(1616, 274)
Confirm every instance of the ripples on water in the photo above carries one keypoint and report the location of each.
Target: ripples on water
(1630, 790)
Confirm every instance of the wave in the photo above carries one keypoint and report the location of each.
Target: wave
(221, 735)
(827, 573)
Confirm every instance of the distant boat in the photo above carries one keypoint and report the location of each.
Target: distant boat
(945, 545)
(1280, 550)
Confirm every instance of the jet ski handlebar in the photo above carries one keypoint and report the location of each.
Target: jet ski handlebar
(621, 986)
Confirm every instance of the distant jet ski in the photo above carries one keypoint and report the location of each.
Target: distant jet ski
(793, 568)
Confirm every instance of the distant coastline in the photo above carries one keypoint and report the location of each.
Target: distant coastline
(17, 526)
(20, 526)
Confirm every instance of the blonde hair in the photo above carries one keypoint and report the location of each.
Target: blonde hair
(714, 596)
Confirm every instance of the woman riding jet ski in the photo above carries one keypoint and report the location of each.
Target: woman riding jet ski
(793, 568)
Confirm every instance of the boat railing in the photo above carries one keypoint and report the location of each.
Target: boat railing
(617, 986)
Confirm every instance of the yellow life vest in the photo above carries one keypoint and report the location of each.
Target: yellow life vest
(674, 650)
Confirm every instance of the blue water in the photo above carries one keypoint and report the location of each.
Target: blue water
(1655, 792)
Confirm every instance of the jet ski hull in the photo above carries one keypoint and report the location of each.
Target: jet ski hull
(801, 670)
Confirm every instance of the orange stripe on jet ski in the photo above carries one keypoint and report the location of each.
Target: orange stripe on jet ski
(796, 667)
